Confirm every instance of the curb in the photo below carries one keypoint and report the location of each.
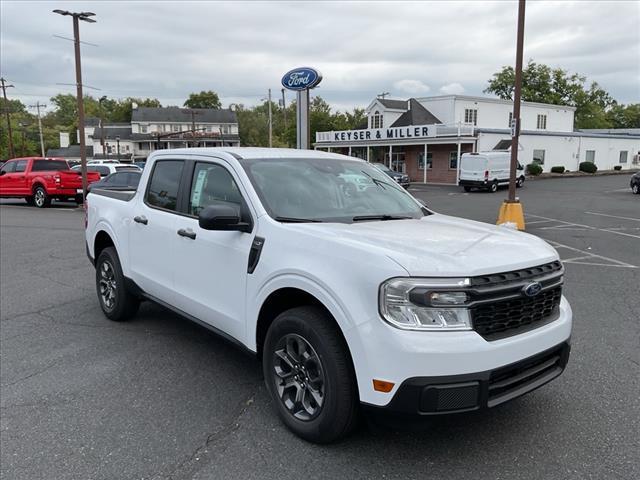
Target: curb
(545, 176)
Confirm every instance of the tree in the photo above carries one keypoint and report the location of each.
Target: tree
(204, 99)
(543, 84)
(621, 116)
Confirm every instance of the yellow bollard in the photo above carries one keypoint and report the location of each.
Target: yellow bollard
(511, 212)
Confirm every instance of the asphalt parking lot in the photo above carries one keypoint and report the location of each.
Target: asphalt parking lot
(159, 397)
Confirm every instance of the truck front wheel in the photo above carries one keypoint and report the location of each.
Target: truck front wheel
(40, 197)
(116, 302)
(308, 372)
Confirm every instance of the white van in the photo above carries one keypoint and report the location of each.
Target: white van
(487, 170)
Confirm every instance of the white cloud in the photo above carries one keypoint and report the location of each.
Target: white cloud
(452, 89)
(414, 87)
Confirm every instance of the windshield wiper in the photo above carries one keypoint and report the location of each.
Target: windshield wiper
(361, 218)
(296, 220)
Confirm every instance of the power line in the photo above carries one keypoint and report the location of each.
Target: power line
(6, 111)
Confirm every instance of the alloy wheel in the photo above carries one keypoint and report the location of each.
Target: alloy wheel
(107, 285)
(39, 197)
(299, 377)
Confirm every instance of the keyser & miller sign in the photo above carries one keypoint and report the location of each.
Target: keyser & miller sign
(393, 133)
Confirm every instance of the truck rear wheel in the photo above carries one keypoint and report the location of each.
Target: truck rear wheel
(116, 302)
(40, 197)
(308, 372)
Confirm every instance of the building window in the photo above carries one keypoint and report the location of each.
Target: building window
(209, 129)
(143, 129)
(542, 122)
(453, 160)
(538, 157)
(590, 156)
(623, 156)
(376, 120)
(471, 116)
(510, 118)
(225, 129)
(175, 128)
(421, 160)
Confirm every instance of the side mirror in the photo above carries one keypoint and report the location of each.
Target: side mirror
(224, 217)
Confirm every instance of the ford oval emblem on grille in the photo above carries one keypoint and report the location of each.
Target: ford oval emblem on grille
(532, 289)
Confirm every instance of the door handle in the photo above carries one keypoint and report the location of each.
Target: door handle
(187, 233)
(141, 219)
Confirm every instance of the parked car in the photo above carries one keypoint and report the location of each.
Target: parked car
(39, 180)
(121, 180)
(400, 178)
(635, 183)
(101, 162)
(360, 298)
(140, 164)
(105, 169)
(487, 171)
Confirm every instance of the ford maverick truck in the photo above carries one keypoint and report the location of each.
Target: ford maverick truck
(353, 294)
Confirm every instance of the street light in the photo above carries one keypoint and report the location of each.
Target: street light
(77, 16)
(100, 102)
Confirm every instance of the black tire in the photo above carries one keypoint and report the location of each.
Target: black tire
(467, 189)
(79, 200)
(519, 182)
(329, 368)
(635, 188)
(40, 197)
(116, 302)
(493, 188)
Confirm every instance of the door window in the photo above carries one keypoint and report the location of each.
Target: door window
(164, 183)
(212, 184)
(9, 167)
(21, 165)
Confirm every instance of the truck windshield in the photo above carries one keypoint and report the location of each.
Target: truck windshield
(328, 190)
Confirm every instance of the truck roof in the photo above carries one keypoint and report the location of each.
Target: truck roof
(250, 153)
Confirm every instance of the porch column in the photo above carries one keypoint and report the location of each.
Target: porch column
(424, 171)
(458, 164)
(390, 155)
(367, 153)
(349, 150)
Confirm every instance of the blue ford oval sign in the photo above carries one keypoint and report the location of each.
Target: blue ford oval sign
(301, 78)
(532, 289)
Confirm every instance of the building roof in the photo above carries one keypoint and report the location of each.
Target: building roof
(416, 115)
(122, 130)
(397, 104)
(91, 121)
(182, 115)
(72, 151)
(612, 131)
(495, 100)
(507, 131)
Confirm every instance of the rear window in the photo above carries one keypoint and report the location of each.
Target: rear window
(164, 183)
(129, 168)
(103, 171)
(49, 165)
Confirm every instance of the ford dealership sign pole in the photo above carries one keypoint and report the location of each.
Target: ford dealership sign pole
(302, 80)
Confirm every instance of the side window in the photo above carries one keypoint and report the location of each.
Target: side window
(9, 167)
(164, 183)
(21, 165)
(104, 171)
(211, 184)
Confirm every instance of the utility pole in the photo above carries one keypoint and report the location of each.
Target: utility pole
(511, 209)
(270, 122)
(6, 111)
(383, 94)
(284, 110)
(100, 102)
(77, 16)
(37, 107)
(193, 113)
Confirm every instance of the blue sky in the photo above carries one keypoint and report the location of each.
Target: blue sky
(240, 49)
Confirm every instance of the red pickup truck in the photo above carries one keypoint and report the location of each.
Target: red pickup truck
(39, 180)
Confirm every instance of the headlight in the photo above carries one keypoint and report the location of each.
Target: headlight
(433, 304)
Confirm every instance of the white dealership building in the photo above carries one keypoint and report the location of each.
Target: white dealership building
(405, 133)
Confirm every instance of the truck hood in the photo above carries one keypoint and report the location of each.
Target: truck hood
(440, 245)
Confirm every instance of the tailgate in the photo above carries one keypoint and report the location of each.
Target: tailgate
(73, 179)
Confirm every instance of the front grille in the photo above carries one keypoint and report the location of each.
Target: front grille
(512, 317)
(511, 381)
(501, 309)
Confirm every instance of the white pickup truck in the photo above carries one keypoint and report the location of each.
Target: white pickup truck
(352, 293)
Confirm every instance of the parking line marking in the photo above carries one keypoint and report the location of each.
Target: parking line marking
(614, 216)
(584, 226)
(618, 263)
(539, 221)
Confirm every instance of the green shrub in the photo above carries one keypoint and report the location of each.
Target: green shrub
(588, 167)
(557, 169)
(534, 169)
(617, 167)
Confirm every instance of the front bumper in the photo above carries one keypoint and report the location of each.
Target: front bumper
(424, 396)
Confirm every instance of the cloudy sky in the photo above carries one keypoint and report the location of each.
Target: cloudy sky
(240, 49)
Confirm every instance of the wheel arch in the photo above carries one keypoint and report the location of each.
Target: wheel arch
(101, 241)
